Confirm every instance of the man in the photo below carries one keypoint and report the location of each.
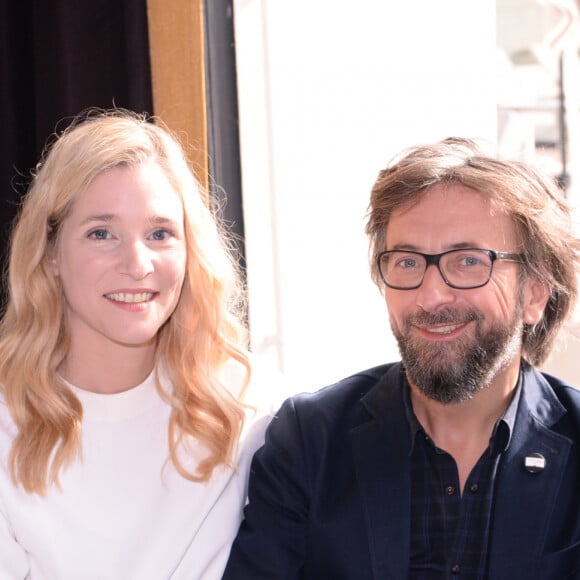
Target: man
(462, 461)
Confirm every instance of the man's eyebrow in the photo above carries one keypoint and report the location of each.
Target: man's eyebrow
(456, 246)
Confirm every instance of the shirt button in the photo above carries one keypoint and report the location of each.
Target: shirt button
(450, 490)
(474, 488)
(455, 569)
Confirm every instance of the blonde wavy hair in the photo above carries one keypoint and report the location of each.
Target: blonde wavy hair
(536, 205)
(204, 333)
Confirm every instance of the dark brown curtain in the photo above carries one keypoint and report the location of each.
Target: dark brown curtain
(58, 57)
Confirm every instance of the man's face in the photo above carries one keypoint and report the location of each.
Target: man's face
(456, 342)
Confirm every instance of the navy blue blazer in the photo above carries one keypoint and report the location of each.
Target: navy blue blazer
(330, 490)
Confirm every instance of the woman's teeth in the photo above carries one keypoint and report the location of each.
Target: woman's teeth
(130, 297)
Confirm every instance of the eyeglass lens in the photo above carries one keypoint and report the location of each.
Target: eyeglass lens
(460, 268)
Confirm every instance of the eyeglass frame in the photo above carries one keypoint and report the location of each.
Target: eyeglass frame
(434, 259)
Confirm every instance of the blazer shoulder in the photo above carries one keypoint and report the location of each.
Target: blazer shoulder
(342, 400)
(357, 385)
(568, 397)
(567, 394)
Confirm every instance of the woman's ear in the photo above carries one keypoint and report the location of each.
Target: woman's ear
(51, 253)
(536, 297)
(53, 264)
(52, 258)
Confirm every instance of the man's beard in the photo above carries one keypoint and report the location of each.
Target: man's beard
(454, 371)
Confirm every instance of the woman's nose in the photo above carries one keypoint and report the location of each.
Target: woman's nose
(136, 260)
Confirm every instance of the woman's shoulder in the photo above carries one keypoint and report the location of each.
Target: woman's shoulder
(7, 424)
(8, 430)
(253, 433)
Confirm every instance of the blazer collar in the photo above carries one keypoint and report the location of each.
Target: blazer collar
(539, 398)
(524, 500)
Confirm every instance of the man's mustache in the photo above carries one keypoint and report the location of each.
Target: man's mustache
(443, 317)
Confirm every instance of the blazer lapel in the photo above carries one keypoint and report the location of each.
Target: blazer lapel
(524, 500)
(382, 463)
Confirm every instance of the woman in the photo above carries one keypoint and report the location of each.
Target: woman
(124, 448)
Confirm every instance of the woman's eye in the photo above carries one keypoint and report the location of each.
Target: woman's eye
(160, 235)
(99, 235)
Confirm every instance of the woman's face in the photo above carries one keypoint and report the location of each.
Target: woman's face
(121, 258)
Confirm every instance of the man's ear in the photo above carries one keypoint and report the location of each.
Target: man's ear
(536, 297)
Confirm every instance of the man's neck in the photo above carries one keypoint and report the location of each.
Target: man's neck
(464, 429)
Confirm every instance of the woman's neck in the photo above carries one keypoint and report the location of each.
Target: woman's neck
(118, 369)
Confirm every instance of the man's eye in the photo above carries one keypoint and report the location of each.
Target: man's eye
(407, 263)
(470, 260)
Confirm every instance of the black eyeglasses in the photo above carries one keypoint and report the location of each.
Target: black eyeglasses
(463, 269)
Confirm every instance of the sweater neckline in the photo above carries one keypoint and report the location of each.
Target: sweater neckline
(118, 406)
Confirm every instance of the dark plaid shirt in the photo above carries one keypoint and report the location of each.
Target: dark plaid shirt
(450, 531)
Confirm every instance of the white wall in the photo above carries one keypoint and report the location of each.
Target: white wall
(329, 91)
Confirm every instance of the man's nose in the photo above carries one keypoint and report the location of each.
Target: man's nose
(434, 291)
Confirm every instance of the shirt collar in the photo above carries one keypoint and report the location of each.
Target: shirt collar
(505, 425)
(502, 431)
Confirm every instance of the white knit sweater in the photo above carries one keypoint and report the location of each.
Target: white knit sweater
(124, 513)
